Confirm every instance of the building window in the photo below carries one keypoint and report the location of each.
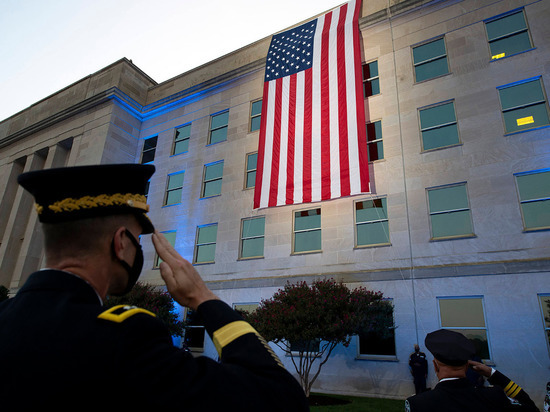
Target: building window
(255, 115)
(171, 237)
(251, 164)
(508, 35)
(534, 198)
(174, 188)
(371, 81)
(147, 187)
(375, 148)
(438, 126)
(545, 309)
(245, 307)
(218, 127)
(376, 345)
(450, 215)
(212, 181)
(371, 223)
(523, 105)
(194, 331)
(252, 238)
(205, 247)
(307, 231)
(466, 315)
(181, 139)
(430, 60)
(149, 149)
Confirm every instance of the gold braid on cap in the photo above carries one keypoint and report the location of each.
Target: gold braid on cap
(69, 204)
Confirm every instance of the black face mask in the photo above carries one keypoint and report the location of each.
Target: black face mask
(135, 270)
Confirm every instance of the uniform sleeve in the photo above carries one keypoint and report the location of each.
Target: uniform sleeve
(249, 376)
(513, 391)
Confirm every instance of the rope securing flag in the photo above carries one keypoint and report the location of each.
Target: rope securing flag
(312, 144)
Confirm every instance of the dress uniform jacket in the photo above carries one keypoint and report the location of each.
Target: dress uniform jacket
(461, 395)
(60, 349)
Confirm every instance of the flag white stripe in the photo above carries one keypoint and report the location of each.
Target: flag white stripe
(299, 141)
(283, 153)
(316, 113)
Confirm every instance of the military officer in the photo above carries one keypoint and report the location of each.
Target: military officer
(60, 349)
(454, 392)
(419, 369)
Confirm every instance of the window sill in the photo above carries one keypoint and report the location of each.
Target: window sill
(438, 239)
(535, 229)
(359, 247)
(209, 197)
(435, 149)
(170, 205)
(250, 258)
(203, 263)
(511, 55)
(307, 252)
(544, 126)
(381, 358)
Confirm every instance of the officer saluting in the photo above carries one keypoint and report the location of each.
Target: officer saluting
(60, 349)
(454, 392)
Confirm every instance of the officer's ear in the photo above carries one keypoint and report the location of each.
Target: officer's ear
(118, 243)
(436, 366)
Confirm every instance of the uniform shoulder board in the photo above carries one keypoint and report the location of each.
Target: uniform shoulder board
(120, 313)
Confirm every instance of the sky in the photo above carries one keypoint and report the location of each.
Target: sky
(46, 45)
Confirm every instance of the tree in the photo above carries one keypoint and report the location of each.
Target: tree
(154, 300)
(310, 321)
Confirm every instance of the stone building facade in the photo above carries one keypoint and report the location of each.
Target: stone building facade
(455, 230)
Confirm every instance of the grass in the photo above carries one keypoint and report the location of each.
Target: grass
(362, 404)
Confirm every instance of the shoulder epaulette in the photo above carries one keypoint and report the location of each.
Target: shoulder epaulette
(120, 313)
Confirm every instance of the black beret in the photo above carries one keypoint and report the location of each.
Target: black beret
(72, 193)
(449, 347)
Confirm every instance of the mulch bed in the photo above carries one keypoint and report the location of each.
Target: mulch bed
(320, 400)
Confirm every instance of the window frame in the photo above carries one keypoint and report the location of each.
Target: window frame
(521, 202)
(242, 239)
(524, 105)
(194, 349)
(439, 126)
(369, 80)
(459, 328)
(168, 191)
(157, 259)
(431, 59)
(175, 140)
(204, 181)
(378, 357)
(294, 231)
(253, 116)
(430, 213)
(213, 129)
(154, 150)
(500, 56)
(198, 245)
(368, 222)
(375, 141)
(248, 171)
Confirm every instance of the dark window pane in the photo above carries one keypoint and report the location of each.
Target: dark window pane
(431, 69)
(219, 120)
(253, 227)
(173, 197)
(375, 151)
(207, 234)
(370, 210)
(181, 147)
(373, 233)
(429, 51)
(534, 186)
(252, 247)
(251, 161)
(511, 45)
(505, 25)
(150, 143)
(521, 94)
(451, 224)
(175, 181)
(255, 123)
(307, 219)
(307, 241)
(213, 171)
(205, 253)
(372, 343)
(440, 137)
(536, 214)
(212, 188)
(448, 198)
(218, 135)
(256, 108)
(438, 115)
(526, 118)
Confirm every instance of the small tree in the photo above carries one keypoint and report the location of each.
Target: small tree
(154, 300)
(311, 321)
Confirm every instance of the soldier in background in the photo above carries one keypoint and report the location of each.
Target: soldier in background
(418, 366)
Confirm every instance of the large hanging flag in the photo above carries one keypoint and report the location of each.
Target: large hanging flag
(312, 142)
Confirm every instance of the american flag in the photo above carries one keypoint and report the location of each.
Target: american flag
(312, 142)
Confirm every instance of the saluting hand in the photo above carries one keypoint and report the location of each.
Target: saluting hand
(182, 280)
(480, 368)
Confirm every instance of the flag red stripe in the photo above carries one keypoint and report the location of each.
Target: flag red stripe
(276, 143)
(325, 110)
(308, 120)
(291, 135)
(342, 104)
